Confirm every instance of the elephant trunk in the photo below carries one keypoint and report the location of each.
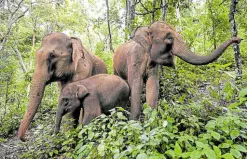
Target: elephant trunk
(35, 96)
(188, 56)
(60, 114)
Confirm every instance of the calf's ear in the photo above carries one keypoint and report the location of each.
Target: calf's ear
(82, 91)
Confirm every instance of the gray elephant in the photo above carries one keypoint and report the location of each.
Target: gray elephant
(63, 59)
(137, 60)
(95, 95)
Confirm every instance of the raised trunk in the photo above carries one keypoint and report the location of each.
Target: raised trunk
(58, 119)
(35, 96)
(188, 56)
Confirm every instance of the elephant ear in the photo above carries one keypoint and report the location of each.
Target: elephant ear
(78, 50)
(81, 92)
(141, 35)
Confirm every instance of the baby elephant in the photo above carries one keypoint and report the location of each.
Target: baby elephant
(95, 95)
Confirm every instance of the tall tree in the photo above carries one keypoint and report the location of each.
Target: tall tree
(212, 16)
(153, 13)
(178, 17)
(234, 31)
(164, 9)
(15, 11)
(109, 26)
(130, 14)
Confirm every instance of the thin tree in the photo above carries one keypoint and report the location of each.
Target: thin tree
(153, 15)
(14, 15)
(21, 62)
(213, 24)
(164, 9)
(234, 31)
(109, 27)
(164, 13)
(129, 16)
(178, 17)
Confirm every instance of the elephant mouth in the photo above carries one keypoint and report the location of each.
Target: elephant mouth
(167, 59)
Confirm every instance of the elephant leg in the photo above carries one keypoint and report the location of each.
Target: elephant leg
(91, 107)
(136, 90)
(75, 115)
(152, 88)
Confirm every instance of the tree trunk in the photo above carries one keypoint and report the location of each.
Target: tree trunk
(213, 25)
(130, 15)
(20, 59)
(89, 39)
(109, 27)
(6, 97)
(234, 31)
(13, 18)
(178, 17)
(153, 12)
(164, 9)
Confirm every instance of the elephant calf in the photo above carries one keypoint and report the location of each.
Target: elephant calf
(95, 95)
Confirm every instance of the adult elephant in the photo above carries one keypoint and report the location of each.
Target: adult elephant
(60, 58)
(137, 60)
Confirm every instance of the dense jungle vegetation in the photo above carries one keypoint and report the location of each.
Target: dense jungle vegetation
(202, 110)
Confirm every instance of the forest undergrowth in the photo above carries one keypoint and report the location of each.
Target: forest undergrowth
(201, 111)
(201, 114)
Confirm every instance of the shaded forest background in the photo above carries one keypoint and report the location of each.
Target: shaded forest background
(198, 94)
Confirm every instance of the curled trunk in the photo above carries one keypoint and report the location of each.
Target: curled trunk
(183, 52)
(35, 96)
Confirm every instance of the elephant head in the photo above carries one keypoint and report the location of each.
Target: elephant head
(162, 42)
(55, 60)
(70, 101)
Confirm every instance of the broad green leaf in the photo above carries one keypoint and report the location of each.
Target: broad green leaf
(210, 153)
(170, 153)
(200, 144)
(195, 154)
(240, 148)
(227, 156)
(141, 156)
(234, 105)
(101, 149)
(243, 93)
(234, 134)
(235, 153)
(177, 149)
(186, 154)
(224, 145)
(217, 151)
(210, 125)
(216, 135)
(55, 152)
(81, 149)
(51, 153)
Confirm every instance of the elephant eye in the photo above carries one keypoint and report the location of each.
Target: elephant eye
(169, 37)
(66, 101)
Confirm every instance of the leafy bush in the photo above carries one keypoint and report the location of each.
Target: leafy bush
(178, 131)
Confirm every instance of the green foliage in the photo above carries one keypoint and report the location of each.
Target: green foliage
(202, 110)
(168, 131)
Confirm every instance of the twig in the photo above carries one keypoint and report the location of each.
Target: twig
(151, 11)
(222, 2)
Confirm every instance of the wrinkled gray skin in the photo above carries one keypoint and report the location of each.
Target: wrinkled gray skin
(60, 58)
(95, 95)
(137, 60)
